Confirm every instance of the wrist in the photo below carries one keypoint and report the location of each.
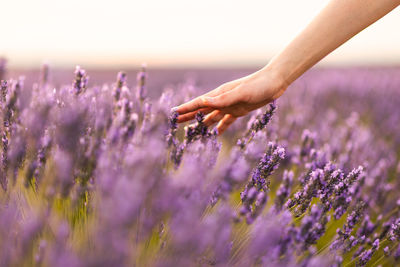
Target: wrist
(276, 77)
(287, 66)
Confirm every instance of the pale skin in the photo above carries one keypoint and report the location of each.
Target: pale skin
(339, 21)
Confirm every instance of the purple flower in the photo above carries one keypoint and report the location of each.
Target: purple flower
(3, 92)
(121, 82)
(259, 123)
(3, 68)
(312, 227)
(367, 254)
(259, 181)
(386, 251)
(80, 82)
(284, 190)
(44, 74)
(141, 83)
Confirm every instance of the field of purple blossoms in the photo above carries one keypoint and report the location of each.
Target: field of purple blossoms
(103, 175)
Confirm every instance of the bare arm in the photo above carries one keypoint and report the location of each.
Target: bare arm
(334, 25)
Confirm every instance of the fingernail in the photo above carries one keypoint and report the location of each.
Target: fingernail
(174, 109)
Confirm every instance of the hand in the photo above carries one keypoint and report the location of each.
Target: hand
(234, 99)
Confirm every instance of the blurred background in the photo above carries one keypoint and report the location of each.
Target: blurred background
(184, 36)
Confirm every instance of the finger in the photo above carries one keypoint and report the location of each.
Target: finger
(191, 115)
(224, 100)
(191, 106)
(225, 123)
(213, 117)
(200, 101)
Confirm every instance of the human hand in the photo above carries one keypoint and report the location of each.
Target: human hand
(234, 99)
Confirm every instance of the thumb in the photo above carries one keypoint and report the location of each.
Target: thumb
(224, 100)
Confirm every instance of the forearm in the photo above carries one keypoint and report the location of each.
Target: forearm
(335, 24)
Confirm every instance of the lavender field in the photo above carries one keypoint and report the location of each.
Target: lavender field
(95, 171)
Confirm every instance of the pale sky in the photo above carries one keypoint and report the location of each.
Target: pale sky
(174, 33)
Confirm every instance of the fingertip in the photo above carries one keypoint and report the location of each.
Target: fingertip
(225, 123)
(184, 108)
(215, 131)
(220, 131)
(174, 109)
(213, 117)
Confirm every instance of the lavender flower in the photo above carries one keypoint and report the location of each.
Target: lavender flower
(3, 68)
(284, 190)
(394, 233)
(386, 251)
(352, 219)
(44, 74)
(141, 84)
(233, 174)
(199, 130)
(259, 123)
(121, 81)
(366, 255)
(4, 90)
(4, 160)
(81, 80)
(307, 143)
(312, 227)
(259, 183)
